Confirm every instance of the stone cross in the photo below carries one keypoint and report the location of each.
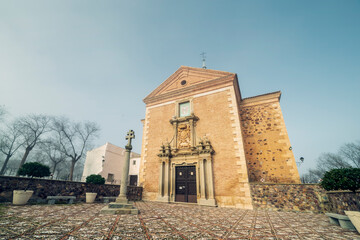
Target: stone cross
(130, 135)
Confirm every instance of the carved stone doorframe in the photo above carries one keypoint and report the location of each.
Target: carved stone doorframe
(163, 193)
(182, 161)
(173, 177)
(207, 195)
(185, 152)
(201, 158)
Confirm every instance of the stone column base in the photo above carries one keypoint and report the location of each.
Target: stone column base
(121, 200)
(163, 199)
(207, 202)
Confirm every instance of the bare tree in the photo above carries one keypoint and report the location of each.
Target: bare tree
(10, 142)
(310, 177)
(12, 166)
(78, 171)
(348, 156)
(329, 161)
(351, 152)
(51, 149)
(326, 162)
(32, 127)
(62, 171)
(313, 176)
(74, 139)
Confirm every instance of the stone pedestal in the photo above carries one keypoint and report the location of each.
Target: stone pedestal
(163, 199)
(120, 208)
(207, 202)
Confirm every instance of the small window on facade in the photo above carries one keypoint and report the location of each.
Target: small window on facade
(184, 109)
(134, 162)
(110, 177)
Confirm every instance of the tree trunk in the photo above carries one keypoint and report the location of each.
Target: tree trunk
(53, 170)
(72, 170)
(4, 166)
(27, 151)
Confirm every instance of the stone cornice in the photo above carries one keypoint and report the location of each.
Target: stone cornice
(184, 119)
(260, 99)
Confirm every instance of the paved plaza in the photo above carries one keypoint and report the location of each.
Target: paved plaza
(163, 221)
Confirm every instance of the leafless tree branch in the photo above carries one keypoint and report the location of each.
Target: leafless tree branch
(74, 138)
(10, 142)
(351, 152)
(32, 127)
(348, 156)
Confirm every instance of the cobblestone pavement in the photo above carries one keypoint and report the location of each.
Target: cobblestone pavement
(163, 221)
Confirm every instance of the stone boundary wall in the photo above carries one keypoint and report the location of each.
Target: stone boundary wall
(341, 201)
(45, 187)
(303, 197)
(289, 197)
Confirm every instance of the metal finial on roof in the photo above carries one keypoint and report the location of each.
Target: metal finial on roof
(203, 60)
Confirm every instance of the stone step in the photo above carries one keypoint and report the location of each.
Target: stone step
(120, 205)
(114, 211)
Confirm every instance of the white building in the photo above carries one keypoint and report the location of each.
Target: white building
(108, 161)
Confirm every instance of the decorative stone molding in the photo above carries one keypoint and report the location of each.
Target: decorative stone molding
(188, 154)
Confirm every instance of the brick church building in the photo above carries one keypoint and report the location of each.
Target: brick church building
(203, 143)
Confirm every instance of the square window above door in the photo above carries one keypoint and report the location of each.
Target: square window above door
(184, 109)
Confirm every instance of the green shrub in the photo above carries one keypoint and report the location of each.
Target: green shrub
(96, 179)
(342, 179)
(34, 169)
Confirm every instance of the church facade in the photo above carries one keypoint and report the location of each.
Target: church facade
(203, 143)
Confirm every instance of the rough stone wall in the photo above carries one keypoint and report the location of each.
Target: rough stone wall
(43, 188)
(290, 197)
(266, 143)
(341, 201)
(303, 197)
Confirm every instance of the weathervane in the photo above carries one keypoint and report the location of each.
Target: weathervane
(203, 59)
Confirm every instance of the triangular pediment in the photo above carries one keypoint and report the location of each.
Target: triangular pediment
(186, 77)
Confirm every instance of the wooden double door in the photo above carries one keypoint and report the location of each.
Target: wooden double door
(185, 184)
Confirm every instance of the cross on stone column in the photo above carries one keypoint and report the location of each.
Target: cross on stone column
(125, 174)
(130, 135)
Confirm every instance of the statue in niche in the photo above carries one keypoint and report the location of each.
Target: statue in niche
(183, 134)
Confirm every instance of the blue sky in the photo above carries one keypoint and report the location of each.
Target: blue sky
(97, 60)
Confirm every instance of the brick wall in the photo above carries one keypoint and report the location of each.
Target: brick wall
(219, 122)
(44, 187)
